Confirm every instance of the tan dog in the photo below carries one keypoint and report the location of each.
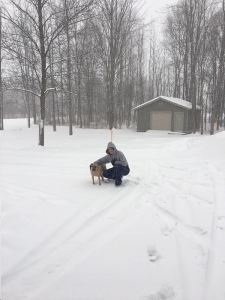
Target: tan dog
(96, 170)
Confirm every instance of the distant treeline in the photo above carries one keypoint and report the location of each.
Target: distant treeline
(88, 63)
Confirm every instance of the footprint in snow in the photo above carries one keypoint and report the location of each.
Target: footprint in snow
(165, 293)
(200, 230)
(167, 230)
(153, 254)
(220, 227)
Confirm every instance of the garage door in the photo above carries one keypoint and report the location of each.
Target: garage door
(161, 120)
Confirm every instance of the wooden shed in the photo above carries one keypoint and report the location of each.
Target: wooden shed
(166, 113)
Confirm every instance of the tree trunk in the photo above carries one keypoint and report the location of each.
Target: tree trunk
(220, 79)
(43, 75)
(61, 84)
(34, 109)
(53, 92)
(1, 92)
(79, 97)
(69, 89)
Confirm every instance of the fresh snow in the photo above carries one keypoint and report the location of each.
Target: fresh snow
(160, 236)
(177, 101)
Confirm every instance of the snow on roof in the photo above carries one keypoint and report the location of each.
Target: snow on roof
(177, 101)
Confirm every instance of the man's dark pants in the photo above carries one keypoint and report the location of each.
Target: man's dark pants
(116, 173)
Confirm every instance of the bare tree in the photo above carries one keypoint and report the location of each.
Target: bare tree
(41, 14)
(219, 97)
(69, 84)
(188, 23)
(113, 23)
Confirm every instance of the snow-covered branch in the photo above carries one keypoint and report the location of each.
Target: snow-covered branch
(24, 90)
(50, 89)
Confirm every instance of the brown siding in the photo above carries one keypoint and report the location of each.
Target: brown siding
(190, 122)
(143, 119)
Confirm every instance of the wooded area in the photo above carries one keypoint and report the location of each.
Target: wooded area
(87, 63)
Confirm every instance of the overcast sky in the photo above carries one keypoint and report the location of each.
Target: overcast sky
(151, 7)
(154, 8)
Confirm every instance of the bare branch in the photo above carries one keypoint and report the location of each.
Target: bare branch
(24, 90)
(65, 23)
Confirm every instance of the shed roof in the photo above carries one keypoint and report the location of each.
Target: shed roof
(176, 101)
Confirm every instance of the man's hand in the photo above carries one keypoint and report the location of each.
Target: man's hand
(113, 162)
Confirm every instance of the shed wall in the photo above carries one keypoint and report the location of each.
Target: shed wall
(143, 119)
(143, 114)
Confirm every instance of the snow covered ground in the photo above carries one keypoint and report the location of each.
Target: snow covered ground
(160, 236)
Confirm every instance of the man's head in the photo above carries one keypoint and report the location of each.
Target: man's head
(111, 150)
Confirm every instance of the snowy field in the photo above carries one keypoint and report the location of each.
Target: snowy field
(159, 237)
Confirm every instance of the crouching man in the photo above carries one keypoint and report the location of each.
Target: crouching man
(118, 160)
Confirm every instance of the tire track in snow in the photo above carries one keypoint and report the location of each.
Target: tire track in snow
(21, 191)
(85, 216)
(167, 187)
(214, 285)
(65, 229)
(171, 192)
(76, 241)
(195, 233)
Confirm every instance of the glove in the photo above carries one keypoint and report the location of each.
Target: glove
(113, 162)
